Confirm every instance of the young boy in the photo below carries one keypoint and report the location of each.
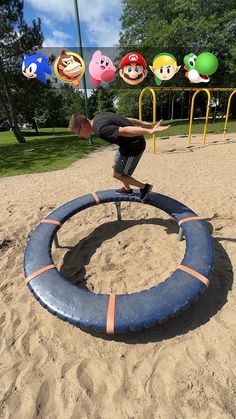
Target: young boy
(128, 134)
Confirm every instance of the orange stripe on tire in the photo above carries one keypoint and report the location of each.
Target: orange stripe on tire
(96, 197)
(195, 274)
(111, 315)
(184, 220)
(50, 221)
(39, 272)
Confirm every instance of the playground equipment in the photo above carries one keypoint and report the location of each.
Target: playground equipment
(124, 312)
(206, 117)
(227, 112)
(157, 90)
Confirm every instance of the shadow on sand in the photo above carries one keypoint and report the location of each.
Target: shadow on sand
(209, 303)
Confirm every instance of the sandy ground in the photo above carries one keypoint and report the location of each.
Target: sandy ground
(185, 368)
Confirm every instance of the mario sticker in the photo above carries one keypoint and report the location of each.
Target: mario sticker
(164, 67)
(133, 68)
(69, 67)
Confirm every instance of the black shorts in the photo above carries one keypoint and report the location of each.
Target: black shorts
(126, 164)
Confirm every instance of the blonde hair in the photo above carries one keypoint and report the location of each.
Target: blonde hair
(76, 121)
(163, 60)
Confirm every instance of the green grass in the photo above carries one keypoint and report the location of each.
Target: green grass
(41, 154)
(181, 128)
(48, 152)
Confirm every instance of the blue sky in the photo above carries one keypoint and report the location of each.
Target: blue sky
(99, 20)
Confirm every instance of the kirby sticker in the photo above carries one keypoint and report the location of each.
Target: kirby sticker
(101, 69)
(69, 67)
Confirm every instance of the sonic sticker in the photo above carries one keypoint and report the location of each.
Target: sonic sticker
(69, 67)
(133, 68)
(164, 67)
(200, 67)
(34, 67)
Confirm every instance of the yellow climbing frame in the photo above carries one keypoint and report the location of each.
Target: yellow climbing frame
(154, 111)
(227, 112)
(206, 118)
(208, 91)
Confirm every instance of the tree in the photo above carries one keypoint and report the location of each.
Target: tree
(101, 100)
(105, 100)
(27, 99)
(72, 102)
(49, 109)
(93, 103)
(16, 38)
(180, 27)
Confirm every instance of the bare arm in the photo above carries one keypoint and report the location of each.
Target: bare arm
(142, 124)
(135, 131)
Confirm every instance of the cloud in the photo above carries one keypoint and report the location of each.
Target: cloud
(99, 17)
(57, 39)
(60, 10)
(46, 21)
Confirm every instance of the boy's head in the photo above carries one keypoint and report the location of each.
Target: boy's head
(80, 125)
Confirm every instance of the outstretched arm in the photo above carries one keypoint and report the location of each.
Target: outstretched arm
(134, 131)
(142, 124)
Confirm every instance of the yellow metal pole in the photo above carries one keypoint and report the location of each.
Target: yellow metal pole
(154, 118)
(191, 118)
(154, 111)
(206, 118)
(227, 112)
(207, 115)
(140, 103)
(180, 89)
(196, 90)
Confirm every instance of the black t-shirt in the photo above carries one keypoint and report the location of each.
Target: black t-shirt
(106, 125)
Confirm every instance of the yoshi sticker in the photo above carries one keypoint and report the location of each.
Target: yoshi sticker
(200, 67)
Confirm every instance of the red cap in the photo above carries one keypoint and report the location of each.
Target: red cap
(133, 57)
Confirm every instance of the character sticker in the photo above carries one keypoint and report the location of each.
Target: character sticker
(69, 67)
(133, 68)
(200, 67)
(34, 67)
(164, 67)
(101, 69)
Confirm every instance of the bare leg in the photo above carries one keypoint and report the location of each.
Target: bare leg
(128, 180)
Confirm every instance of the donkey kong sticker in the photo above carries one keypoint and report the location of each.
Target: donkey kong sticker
(69, 67)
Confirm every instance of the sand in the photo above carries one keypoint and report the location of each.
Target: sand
(185, 368)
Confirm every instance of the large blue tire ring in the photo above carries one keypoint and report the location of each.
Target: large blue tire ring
(123, 312)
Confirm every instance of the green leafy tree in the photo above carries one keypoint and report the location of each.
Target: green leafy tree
(101, 100)
(27, 98)
(180, 27)
(93, 103)
(16, 38)
(49, 112)
(72, 102)
(105, 100)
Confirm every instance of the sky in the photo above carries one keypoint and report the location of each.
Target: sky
(99, 21)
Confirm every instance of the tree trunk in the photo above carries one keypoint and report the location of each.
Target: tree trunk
(182, 106)
(172, 107)
(18, 134)
(35, 126)
(9, 108)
